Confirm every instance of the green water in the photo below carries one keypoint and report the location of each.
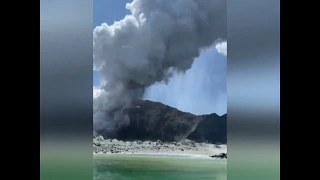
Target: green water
(134, 167)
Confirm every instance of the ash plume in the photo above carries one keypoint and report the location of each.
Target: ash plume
(158, 38)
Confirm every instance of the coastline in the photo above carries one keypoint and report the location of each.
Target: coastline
(162, 155)
(185, 148)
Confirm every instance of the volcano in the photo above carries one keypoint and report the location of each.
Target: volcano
(155, 121)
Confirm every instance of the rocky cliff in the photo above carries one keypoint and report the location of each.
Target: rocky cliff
(156, 121)
(211, 129)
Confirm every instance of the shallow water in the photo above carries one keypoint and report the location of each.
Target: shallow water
(137, 167)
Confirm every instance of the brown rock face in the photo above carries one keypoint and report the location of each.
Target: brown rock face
(156, 121)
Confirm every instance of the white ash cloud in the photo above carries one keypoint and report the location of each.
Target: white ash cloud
(158, 38)
(222, 47)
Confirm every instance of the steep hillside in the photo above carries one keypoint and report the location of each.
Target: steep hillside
(156, 121)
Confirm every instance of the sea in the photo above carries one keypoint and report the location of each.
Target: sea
(150, 167)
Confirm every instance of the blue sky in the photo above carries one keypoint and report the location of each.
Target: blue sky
(201, 90)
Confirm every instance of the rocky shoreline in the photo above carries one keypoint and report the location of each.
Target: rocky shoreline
(184, 147)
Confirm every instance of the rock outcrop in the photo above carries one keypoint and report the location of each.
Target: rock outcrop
(220, 156)
(211, 129)
(155, 121)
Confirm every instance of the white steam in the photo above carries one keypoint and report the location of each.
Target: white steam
(158, 38)
(222, 47)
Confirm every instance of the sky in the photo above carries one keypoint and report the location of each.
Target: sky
(201, 90)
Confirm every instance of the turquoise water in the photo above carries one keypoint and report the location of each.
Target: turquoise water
(134, 167)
